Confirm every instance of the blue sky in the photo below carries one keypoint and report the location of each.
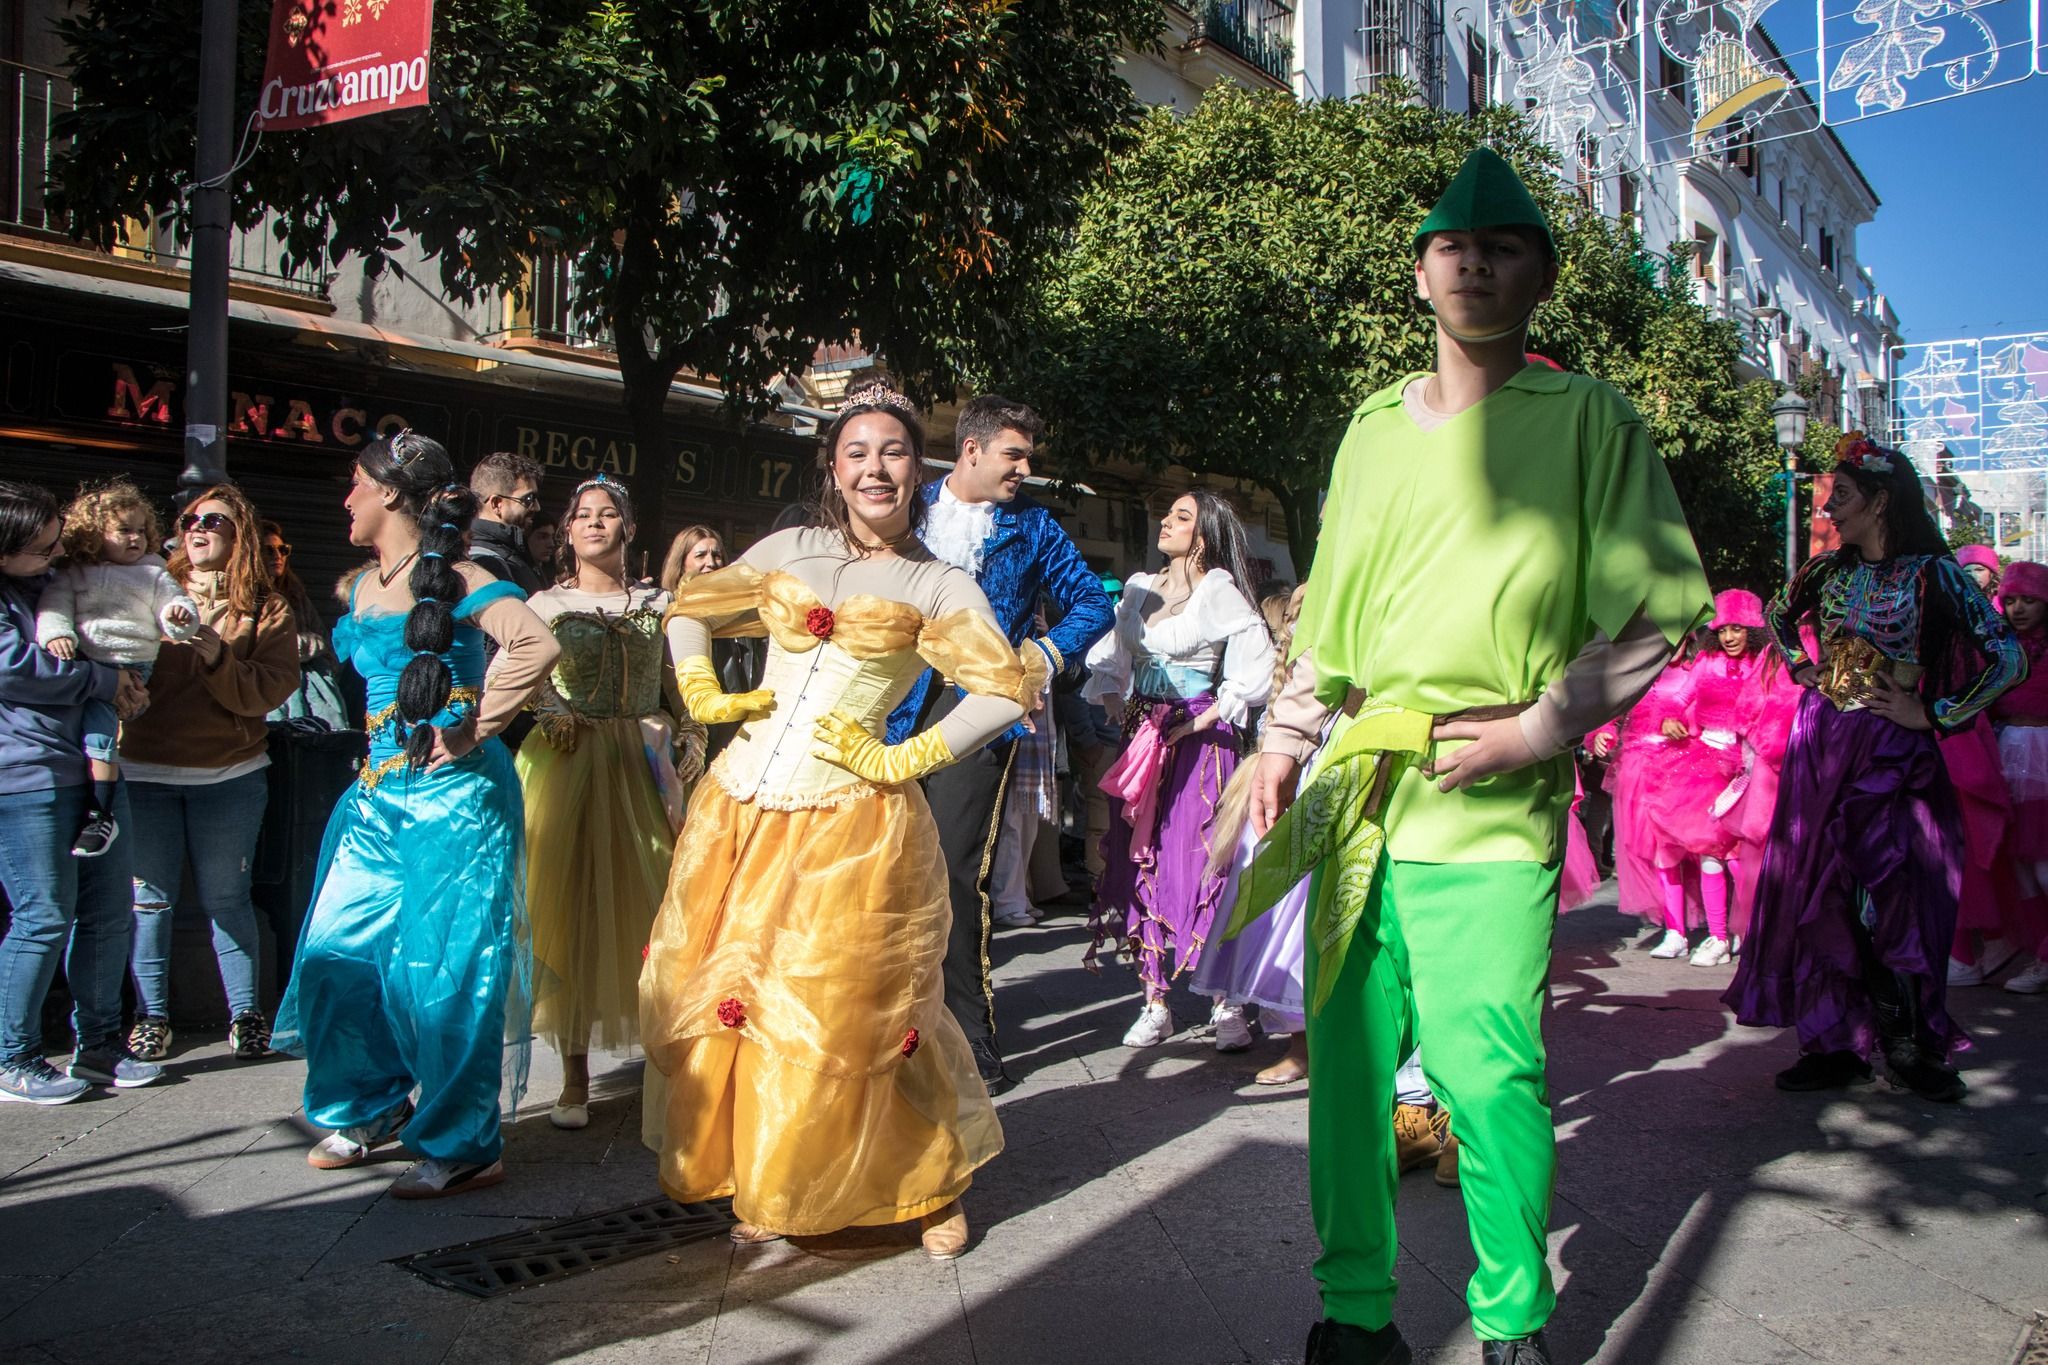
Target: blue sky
(1961, 242)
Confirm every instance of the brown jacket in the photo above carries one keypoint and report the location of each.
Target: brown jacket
(201, 717)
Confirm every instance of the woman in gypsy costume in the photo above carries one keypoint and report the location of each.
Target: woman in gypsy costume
(1192, 656)
(413, 972)
(603, 796)
(1856, 906)
(792, 997)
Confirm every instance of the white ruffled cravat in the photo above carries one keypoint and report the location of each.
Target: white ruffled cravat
(957, 531)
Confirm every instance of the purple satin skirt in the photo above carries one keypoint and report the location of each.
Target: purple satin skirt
(1862, 872)
(1160, 905)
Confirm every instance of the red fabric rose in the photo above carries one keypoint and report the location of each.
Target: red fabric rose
(645, 949)
(732, 1013)
(910, 1041)
(818, 621)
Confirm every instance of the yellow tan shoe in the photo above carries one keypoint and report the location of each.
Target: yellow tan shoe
(945, 1232)
(1416, 1137)
(1447, 1161)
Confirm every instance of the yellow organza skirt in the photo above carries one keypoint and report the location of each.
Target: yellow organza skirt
(792, 1003)
(598, 848)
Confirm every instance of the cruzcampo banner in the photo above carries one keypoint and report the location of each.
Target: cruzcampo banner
(341, 59)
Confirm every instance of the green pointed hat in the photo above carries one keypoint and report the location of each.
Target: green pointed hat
(1485, 193)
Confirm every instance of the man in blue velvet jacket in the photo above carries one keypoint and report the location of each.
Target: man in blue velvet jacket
(980, 521)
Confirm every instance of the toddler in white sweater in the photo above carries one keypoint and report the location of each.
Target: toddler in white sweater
(113, 602)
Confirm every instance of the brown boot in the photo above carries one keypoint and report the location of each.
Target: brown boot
(1416, 1140)
(945, 1232)
(1447, 1156)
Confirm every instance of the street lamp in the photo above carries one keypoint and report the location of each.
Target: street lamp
(1789, 414)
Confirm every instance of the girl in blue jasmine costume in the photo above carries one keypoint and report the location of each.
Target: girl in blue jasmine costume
(413, 973)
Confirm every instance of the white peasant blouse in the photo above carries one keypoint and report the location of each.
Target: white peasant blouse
(1217, 643)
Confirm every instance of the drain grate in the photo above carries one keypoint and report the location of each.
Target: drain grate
(2034, 1346)
(568, 1246)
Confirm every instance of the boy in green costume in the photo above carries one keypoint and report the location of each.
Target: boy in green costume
(1514, 571)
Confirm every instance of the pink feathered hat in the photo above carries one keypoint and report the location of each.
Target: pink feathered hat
(2023, 578)
(1982, 555)
(1735, 607)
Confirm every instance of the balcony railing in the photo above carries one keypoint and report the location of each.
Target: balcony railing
(31, 101)
(1404, 39)
(1260, 31)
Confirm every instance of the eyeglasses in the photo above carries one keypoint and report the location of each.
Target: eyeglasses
(530, 501)
(44, 552)
(278, 551)
(207, 521)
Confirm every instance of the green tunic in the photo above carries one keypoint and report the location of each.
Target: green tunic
(1468, 565)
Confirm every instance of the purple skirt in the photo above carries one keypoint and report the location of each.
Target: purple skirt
(1864, 810)
(1263, 965)
(1160, 906)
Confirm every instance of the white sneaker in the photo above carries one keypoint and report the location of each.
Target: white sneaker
(1155, 1025)
(434, 1178)
(1013, 919)
(1673, 944)
(1233, 1033)
(2032, 981)
(1964, 974)
(1712, 952)
(352, 1146)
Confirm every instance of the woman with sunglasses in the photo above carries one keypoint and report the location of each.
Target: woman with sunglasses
(319, 695)
(62, 907)
(194, 763)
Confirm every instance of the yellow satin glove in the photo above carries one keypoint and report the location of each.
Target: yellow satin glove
(841, 740)
(710, 703)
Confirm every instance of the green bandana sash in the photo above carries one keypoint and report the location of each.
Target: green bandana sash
(1336, 817)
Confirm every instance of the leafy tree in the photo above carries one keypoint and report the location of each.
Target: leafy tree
(1242, 278)
(738, 182)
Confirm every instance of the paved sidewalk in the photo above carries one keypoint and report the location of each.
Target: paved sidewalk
(1151, 1206)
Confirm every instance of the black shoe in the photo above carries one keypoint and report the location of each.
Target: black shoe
(1824, 1071)
(249, 1035)
(1521, 1351)
(1339, 1343)
(989, 1063)
(96, 837)
(1911, 1067)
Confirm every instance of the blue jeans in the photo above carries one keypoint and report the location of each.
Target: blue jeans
(59, 900)
(215, 826)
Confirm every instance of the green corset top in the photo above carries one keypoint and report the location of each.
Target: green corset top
(610, 665)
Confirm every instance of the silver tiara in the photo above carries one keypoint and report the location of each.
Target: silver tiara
(406, 446)
(879, 395)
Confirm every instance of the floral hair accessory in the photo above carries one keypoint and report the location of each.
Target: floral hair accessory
(732, 1013)
(910, 1042)
(1859, 452)
(879, 395)
(819, 622)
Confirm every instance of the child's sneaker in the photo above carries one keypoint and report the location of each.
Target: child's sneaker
(249, 1035)
(1673, 944)
(150, 1039)
(1712, 952)
(111, 1063)
(97, 837)
(2032, 981)
(31, 1080)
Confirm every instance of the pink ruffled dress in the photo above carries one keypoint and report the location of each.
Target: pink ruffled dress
(1642, 747)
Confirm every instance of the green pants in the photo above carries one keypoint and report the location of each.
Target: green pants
(1454, 957)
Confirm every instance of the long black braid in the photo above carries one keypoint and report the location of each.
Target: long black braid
(418, 469)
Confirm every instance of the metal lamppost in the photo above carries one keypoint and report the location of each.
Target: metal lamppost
(1789, 414)
(206, 338)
